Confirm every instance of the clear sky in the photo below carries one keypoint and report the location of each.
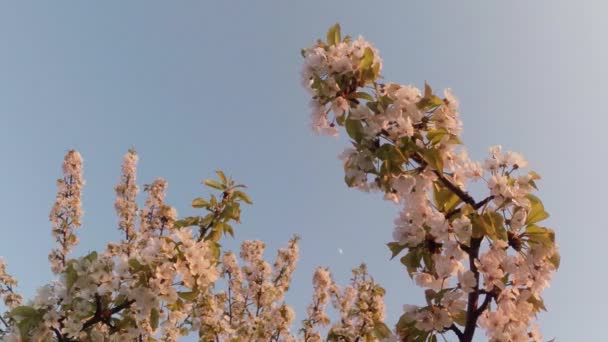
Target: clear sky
(200, 85)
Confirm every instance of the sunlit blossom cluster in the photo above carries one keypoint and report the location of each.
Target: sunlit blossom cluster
(167, 278)
(360, 307)
(7, 284)
(481, 262)
(67, 210)
(126, 196)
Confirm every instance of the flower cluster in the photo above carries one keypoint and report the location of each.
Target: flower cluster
(126, 196)
(151, 285)
(406, 144)
(252, 305)
(9, 297)
(67, 210)
(168, 278)
(360, 306)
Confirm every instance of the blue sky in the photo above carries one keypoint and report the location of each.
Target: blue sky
(195, 86)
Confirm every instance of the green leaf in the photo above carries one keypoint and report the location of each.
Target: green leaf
(412, 261)
(213, 184)
(228, 229)
(367, 60)
(434, 159)
(154, 318)
(340, 119)
(364, 96)
(91, 256)
(135, 265)
(333, 35)
(333, 337)
(71, 275)
(375, 71)
(395, 248)
(27, 318)
(222, 177)
(429, 100)
(189, 296)
(435, 135)
(444, 199)
(489, 223)
(406, 328)
(215, 249)
(214, 235)
(537, 210)
(555, 259)
(200, 203)
(354, 128)
(541, 235)
(390, 152)
(241, 195)
(381, 330)
(187, 222)
(373, 106)
(21, 312)
(537, 303)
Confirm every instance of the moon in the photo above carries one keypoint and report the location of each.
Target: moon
(340, 251)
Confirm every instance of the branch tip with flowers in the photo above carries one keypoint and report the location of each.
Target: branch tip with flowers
(406, 144)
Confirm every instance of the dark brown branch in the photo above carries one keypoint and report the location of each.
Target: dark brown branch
(476, 206)
(472, 316)
(4, 322)
(103, 315)
(217, 211)
(486, 301)
(456, 331)
(58, 334)
(464, 196)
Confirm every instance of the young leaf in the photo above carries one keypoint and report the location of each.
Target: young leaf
(540, 235)
(444, 199)
(354, 129)
(200, 203)
(244, 197)
(433, 158)
(537, 210)
(222, 176)
(189, 296)
(154, 318)
(367, 60)
(213, 184)
(395, 248)
(333, 35)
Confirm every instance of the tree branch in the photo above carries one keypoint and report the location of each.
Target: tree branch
(476, 206)
(464, 196)
(58, 334)
(486, 302)
(472, 316)
(457, 331)
(102, 315)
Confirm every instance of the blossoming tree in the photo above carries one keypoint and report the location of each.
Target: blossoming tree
(168, 277)
(483, 263)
